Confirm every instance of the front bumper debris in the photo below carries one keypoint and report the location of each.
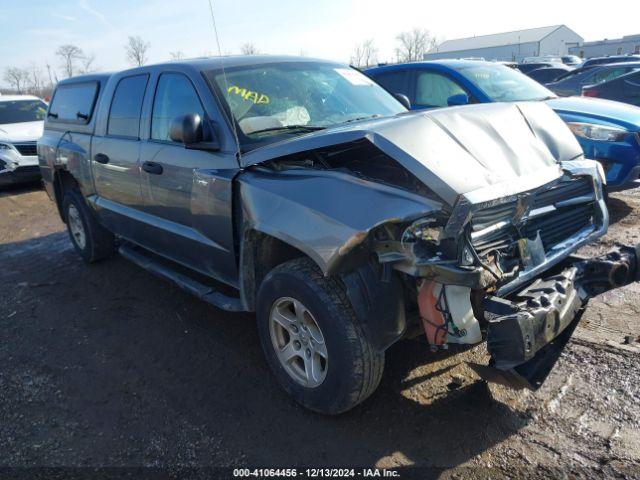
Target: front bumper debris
(19, 175)
(527, 332)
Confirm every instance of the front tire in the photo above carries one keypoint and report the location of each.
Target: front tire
(91, 240)
(313, 341)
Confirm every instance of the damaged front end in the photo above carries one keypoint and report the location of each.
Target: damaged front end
(506, 268)
(463, 222)
(527, 332)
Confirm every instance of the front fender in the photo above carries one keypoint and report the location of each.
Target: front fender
(324, 214)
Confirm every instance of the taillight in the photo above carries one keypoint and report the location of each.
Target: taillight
(589, 93)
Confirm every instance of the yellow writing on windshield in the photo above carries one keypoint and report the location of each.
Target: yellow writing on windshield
(249, 95)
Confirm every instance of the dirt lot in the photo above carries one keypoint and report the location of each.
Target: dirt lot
(106, 365)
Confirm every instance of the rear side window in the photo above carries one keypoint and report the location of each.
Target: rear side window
(394, 82)
(74, 103)
(124, 115)
(175, 96)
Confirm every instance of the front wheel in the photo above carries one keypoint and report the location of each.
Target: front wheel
(313, 341)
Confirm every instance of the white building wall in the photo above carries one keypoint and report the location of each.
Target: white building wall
(506, 52)
(621, 46)
(559, 41)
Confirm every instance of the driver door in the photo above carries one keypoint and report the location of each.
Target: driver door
(186, 193)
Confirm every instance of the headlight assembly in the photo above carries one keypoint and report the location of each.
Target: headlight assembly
(5, 146)
(597, 132)
(424, 235)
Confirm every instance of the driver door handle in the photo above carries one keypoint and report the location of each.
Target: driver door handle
(101, 158)
(152, 168)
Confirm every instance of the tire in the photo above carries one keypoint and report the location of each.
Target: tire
(97, 242)
(352, 369)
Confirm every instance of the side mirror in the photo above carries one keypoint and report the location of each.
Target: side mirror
(186, 129)
(458, 99)
(194, 133)
(403, 99)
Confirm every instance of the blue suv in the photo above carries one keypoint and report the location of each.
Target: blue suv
(607, 131)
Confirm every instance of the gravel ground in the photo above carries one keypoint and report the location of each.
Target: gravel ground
(106, 365)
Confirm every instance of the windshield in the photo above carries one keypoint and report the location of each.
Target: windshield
(503, 84)
(19, 111)
(280, 98)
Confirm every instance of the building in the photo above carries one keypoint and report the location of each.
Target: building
(600, 48)
(510, 46)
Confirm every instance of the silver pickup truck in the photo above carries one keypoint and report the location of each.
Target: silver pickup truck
(303, 191)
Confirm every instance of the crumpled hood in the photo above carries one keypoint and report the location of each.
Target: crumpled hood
(21, 132)
(492, 150)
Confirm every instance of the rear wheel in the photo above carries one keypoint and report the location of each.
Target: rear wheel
(91, 240)
(313, 341)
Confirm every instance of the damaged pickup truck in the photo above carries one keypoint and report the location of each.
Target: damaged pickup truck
(301, 190)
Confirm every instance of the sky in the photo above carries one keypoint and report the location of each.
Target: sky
(31, 30)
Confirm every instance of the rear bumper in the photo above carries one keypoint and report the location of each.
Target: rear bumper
(527, 332)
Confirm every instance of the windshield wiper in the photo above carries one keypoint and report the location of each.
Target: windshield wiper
(303, 128)
(375, 115)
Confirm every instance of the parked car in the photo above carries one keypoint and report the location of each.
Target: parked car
(607, 131)
(548, 74)
(343, 220)
(21, 120)
(573, 82)
(542, 58)
(530, 67)
(571, 60)
(506, 64)
(625, 88)
(611, 59)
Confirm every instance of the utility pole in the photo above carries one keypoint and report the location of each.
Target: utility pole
(50, 77)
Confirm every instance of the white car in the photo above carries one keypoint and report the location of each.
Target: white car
(21, 122)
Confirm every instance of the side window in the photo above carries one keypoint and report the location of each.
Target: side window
(175, 96)
(545, 75)
(394, 82)
(606, 75)
(588, 78)
(434, 89)
(632, 86)
(73, 103)
(124, 115)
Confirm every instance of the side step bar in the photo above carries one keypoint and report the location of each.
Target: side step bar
(200, 290)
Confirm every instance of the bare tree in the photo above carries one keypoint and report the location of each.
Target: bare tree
(413, 45)
(434, 43)
(176, 56)
(364, 54)
(137, 51)
(69, 54)
(87, 63)
(16, 77)
(36, 84)
(249, 49)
